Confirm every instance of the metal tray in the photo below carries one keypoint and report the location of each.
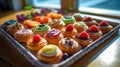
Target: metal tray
(34, 61)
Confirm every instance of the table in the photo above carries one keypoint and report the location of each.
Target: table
(105, 55)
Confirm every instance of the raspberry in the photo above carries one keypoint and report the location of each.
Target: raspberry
(88, 19)
(36, 38)
(84, 35)
(103, 23)
(93, 28)
(69, 27)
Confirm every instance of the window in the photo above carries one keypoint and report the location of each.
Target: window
(45, 3)
(110, 7)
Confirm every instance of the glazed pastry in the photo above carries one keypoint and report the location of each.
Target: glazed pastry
(83, 39)
(7, 23)
(69, 31)
(31, 24)
(80, 26)
(36, 43)
(20, 18)
(23, 35)
(94, 32)
(69, 45)
(53, 36)
(12, 29)
(55, 15)
(69, 20)
(42, 19)
(50, 54)
(42, 29)
(89, 21)
(36, 12)
(78, 17)
(105, 27)
(57, 24)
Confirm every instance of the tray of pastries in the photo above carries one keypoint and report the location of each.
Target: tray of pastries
(51, 39)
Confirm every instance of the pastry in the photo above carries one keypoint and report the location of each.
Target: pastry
(69, 31)
(42, 29)
(12, 29)
(20, 18)
(69, 20)
(78, 17)
(7, 23)
(57, 24)
(69, 45)
(83, 39)
(42, 19)
(105, 27)
(80, 26)
(94, 32)
(30, 23)
(53, 36)
(23, 35)
(55, 15)
(89, 21)
(50, 54)
(36, 43)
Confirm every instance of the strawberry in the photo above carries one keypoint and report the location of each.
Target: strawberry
(69, 27)
(88, 19)
(103, 23)
(93, 28)
(36, 38)
(84, 35)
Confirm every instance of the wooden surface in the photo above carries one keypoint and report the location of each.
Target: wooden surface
(11, 57)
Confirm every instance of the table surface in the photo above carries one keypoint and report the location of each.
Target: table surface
(105, 55)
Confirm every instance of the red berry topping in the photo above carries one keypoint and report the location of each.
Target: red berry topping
(36, 38)
(103, 23)
(93, 28)
(88, 19)
(84, 35)
(69, 27)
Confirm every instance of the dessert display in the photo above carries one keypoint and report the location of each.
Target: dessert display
(36, 42)
(83, 39)
(94, 32)
(69, 31)
(50, 54)
(89, 21)
(54, 36)
(23, 35)
(69, 20)
(12, 29)
(80, 26)
(69, 45)
(105, 27)
(42, 29)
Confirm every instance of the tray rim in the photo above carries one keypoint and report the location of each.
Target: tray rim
(30, 57)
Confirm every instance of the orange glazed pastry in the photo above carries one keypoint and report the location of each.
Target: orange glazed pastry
(23, 35)
(105, 27)
(42, 19)
(80, 26)
(50, 54)
(69, 31)
(36, 43)
(54, 15)
(89, 21)
(69, 45)
(83, 39)
(53, 36)
(13, 28)
(31, 24)
(94, 32)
